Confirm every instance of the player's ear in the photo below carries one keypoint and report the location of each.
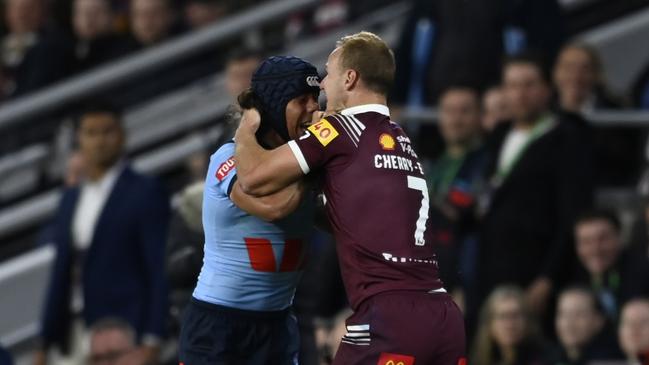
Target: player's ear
(351, 79)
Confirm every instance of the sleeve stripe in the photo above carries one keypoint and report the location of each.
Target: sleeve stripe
(299, 156)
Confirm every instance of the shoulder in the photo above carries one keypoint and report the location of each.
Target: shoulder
(224, 153)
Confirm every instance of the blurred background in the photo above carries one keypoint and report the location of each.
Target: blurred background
(546, 249)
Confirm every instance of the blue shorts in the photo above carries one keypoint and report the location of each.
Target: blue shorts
(213, 335)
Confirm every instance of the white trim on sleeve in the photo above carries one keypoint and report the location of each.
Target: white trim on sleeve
(299, 156)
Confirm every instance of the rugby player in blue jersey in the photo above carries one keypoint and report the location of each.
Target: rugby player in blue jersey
(254, 249)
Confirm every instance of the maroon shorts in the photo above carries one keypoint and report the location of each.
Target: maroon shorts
(404, 328)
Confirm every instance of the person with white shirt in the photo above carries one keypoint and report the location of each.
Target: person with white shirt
(109, 233)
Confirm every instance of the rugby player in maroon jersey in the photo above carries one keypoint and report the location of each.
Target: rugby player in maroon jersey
(377, 204)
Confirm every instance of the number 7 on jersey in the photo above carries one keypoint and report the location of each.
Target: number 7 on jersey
(417, 183)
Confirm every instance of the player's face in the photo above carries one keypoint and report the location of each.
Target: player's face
(299, 112)
(100, 139)
(334, 83)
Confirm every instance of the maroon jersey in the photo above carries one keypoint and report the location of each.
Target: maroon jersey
(376, 199)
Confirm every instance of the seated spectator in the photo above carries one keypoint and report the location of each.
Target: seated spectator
(582, 329)
(507, 333)
(453, 181)
(634, 331)
(5, 357)
(494, 108)
(151, 21)
(31, 55)
(96, 43)
(579, 80)
(201, 13)
(111, 340)
(109, 233)
(613, 272)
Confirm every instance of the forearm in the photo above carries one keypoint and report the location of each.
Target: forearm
(271, 207)
(250, 157)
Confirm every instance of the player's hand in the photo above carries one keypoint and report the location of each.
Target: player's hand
(250, 121)
(316, 116)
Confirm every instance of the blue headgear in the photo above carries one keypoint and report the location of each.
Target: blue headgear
(278, 80)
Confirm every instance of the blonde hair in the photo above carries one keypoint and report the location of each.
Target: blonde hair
(484, 345)
(367, 54)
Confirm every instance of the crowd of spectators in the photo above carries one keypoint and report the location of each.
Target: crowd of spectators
(543, 274)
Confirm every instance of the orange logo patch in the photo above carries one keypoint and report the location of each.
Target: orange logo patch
(387, 142)
(225, 169)
(323, 131)
(395, 359)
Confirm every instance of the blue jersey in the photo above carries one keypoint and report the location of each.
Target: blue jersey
(249, 263)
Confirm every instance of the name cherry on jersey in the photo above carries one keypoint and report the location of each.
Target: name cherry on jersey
(393, 162)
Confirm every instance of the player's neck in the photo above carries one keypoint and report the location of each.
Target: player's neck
(364, 98)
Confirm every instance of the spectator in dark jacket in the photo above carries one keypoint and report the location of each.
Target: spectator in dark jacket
(582, 329)
(580, 82)
(109, 234)
(540, 178)
(616, 274)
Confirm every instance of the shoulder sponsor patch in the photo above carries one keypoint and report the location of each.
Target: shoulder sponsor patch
(323, 131)
(395, 359)
(387, 142)
(225, 168)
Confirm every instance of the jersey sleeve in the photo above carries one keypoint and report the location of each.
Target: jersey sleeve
(222, 173)
(323, 144)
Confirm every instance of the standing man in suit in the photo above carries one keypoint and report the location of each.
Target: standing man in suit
(539, 180)
(109, 234)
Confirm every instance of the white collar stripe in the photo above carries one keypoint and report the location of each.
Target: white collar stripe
(376, 108)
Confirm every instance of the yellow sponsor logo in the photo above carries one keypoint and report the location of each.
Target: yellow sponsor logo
(387, 142)
(323, 131)
(390, 362)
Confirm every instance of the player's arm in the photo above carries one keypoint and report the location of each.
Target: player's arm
(262, 172)
(270, 207)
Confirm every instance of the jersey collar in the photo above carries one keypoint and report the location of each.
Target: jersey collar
(376, 108)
